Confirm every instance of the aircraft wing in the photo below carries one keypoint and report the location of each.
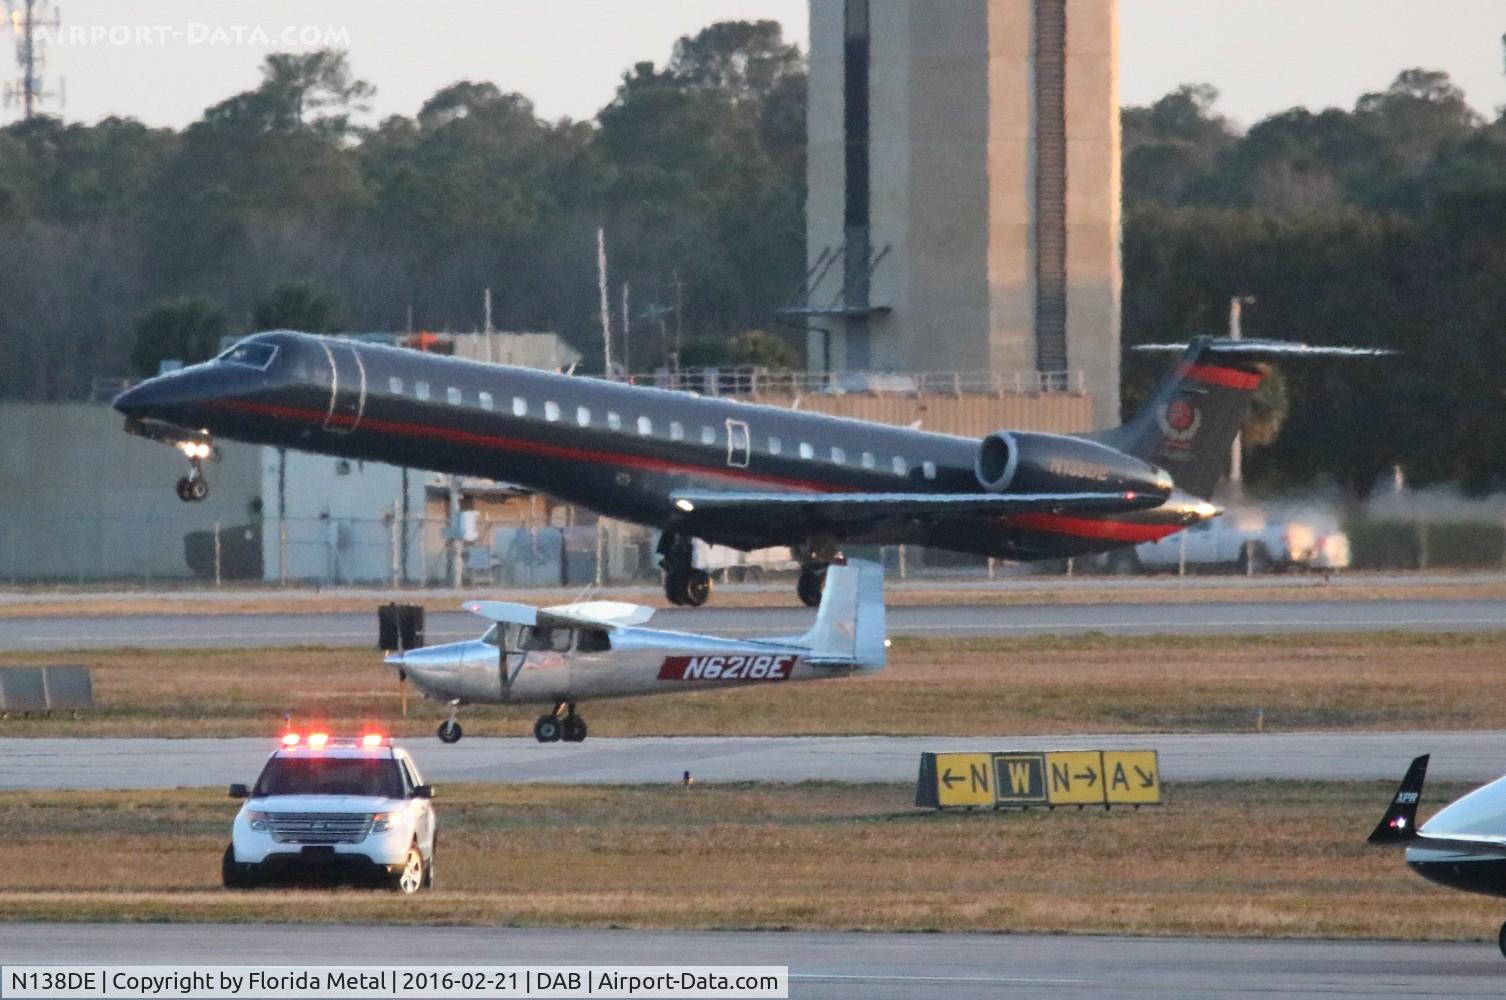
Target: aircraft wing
(602, 612)
(503, 612)
(866, 509)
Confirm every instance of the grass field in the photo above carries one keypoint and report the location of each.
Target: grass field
(1268, 859)
(965, 687)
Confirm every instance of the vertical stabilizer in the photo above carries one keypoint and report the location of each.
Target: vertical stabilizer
(1400, 822)
(850, 621)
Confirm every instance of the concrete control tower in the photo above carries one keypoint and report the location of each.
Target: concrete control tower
(964, 202)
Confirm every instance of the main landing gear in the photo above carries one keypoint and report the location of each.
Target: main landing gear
(684, 584)
(815, 556)
(553, 728)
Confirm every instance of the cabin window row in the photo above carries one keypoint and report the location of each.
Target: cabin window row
(708, 435)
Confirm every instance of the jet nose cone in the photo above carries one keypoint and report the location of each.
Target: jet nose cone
(176, 398)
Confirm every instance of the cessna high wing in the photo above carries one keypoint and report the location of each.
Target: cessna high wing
(599, 649)
(732, 473)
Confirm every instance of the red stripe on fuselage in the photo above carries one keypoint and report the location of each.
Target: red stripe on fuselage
(1083, 527)
(1088, 527)
(1229, 378)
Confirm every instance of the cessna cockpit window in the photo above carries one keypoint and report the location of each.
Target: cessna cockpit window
(593, 640)
(543, 638)
(250, 355)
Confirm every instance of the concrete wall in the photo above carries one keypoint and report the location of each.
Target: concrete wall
(81, 500)
(331, 522)
(952, 162)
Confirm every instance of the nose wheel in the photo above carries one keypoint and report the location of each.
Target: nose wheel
(553, 728)
(193, 488)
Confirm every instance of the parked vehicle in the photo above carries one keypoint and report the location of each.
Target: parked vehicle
(1245, 543)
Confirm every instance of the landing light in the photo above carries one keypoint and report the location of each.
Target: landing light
(317, 740)
(685, 505)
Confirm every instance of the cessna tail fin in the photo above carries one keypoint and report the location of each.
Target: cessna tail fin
(1189, 424)
(1400, 822)
(849, 625)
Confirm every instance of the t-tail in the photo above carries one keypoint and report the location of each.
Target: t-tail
(1189, 424)
(1400, 822)
(849, 627)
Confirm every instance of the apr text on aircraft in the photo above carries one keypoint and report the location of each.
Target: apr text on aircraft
(732, 473)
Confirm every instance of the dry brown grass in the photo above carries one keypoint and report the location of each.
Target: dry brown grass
(1047, 590)
(933, 687)
(1269, 859)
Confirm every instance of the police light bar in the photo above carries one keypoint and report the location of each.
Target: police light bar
(317, 740)
(290, 739)
(371, 741)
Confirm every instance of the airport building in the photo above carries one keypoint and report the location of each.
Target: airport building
(963, 212)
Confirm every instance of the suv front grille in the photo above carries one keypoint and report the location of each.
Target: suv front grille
(319, 828)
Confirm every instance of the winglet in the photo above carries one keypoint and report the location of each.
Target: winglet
(1400, 822)
(849, 627)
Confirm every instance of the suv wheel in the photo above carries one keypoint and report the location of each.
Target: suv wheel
(234, 875)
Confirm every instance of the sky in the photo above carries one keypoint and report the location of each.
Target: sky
(164, 61)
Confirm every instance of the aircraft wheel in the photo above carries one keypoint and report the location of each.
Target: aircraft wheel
(812, 582)
(183, 490)
(198, 489)
(450, 731)
(674, 587)
(1501, 940)
(574, 729)
(547, 729)
(697, 587)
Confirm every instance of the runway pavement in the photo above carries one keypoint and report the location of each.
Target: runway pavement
(824, 966)
(170, 763)
(1214, 617)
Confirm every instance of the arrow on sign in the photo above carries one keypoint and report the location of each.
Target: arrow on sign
(1147, 778)
(949, 779)
(1090, 775)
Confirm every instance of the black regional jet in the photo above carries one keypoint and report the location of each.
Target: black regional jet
(1463, 846)
(731, 473)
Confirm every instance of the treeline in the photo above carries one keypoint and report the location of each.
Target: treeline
(275, 206)
(1380, 226)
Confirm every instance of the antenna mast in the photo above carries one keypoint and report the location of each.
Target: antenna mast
(29, 20)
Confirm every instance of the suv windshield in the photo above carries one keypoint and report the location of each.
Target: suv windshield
(373, 776)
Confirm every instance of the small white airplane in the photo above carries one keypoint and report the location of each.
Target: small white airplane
(1463, 846)
(598, 649)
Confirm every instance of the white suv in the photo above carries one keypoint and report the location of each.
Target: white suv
(334, 809)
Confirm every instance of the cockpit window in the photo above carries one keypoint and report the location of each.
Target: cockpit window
(250, 355)
(1481, 813)
(544, 638)
(491, 636)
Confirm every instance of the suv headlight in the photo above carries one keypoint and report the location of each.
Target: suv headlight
(381, 822)
(257, 821)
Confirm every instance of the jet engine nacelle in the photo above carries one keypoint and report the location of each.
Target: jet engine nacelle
(1032, 462)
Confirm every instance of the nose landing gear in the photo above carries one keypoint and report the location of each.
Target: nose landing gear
(194, 487)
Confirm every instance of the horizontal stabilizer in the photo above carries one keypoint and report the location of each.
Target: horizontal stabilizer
(1400, 822)
(1268, 350)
